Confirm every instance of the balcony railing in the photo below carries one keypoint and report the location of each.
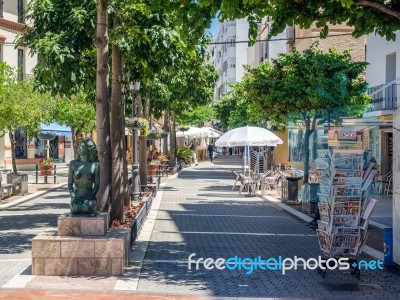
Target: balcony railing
(383, 98)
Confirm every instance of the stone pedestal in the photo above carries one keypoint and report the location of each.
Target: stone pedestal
(82, 225)
(82, 246)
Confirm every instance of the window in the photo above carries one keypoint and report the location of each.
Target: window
(1, 52)
(20, 143)
(21, 11)
(21, 64)
(1, 8)
(232, 63)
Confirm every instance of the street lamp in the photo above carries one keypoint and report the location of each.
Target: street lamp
(135, 87)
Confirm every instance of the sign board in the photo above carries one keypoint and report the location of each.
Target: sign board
(345, 138)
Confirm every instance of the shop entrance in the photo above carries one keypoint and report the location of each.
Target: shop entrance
(57, 149)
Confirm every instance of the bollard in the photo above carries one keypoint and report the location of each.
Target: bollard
(37, 173)
(388, 247)
(55, 174)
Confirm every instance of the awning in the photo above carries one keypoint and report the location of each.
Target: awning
(56, 129)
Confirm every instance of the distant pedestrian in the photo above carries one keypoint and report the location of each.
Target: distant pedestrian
(230, 150)
(210, 150)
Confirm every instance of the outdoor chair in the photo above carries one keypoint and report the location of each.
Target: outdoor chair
(383, 183)
(237, 179)
(270, 183)
(245, 183)
(388, 184)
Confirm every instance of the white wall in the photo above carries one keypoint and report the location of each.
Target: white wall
(378, 49)
(242, 31)
(276, 47)
(10, 54)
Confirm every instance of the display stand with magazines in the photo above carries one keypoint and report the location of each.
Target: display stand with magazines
(345, 204)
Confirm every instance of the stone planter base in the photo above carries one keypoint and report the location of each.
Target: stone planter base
(82, 246)
(54, 255)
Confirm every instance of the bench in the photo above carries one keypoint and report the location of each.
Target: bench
(7, 189)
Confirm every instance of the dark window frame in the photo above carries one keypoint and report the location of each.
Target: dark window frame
(21, 63)
(21, 9)
(1, 9)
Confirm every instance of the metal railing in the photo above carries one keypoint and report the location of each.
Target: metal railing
(384, 99)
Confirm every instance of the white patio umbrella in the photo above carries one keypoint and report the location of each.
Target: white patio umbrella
(193, 132)
(248, 136)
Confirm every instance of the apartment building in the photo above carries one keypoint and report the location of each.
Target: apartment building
(228, 53)
(264, 48)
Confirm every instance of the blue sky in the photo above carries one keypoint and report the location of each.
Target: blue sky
(214, 27)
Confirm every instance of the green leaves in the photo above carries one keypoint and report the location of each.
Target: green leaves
(15, 97)
(296, 85)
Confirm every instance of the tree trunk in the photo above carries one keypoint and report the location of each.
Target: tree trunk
(166, 129)
(172, 141)
(306, 149)
(117, 136)
(143, 144)
(13, 161)
(76, 137)
(125, 180)
(103, 107)
(310, 128)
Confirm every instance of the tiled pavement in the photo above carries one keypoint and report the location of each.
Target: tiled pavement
(199, 214)
(20, 223)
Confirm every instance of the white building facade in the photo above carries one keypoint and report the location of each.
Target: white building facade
(267, 49)
(28, 150)
(383, 77)
(229, 54)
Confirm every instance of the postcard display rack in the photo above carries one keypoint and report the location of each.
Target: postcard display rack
(345, 204)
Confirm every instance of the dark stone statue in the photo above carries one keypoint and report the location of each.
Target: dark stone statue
(84, 178)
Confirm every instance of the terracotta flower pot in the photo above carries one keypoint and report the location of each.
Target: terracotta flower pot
(45, 170)
(152, 169)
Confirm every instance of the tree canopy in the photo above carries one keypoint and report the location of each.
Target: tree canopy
(309, 86)
(15, 97)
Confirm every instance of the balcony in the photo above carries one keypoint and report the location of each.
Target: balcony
(384, 98)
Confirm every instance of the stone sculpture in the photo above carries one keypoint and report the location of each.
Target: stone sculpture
(84, 178)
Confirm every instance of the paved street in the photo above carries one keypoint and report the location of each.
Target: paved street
(19, 224)
(199, 213)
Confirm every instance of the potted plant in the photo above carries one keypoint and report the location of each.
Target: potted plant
(157, 135)
(138, 124)
(152, 167)
(162, 158)
(46, 166)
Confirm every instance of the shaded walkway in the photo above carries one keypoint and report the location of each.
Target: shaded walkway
(200, 214)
